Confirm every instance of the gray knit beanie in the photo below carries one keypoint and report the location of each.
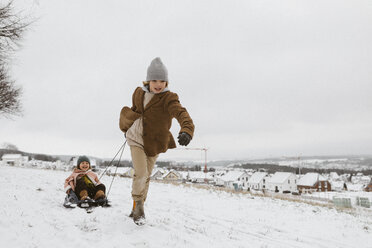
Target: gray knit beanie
(157, 71)
(82, 159)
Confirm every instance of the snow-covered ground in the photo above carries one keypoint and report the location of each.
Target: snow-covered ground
(32, 215)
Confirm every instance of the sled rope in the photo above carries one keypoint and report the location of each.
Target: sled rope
(109, 165)
(117, 165)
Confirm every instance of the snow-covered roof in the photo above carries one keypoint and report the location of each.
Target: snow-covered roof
(280, 177)
(12, 156)
(199, 174)
(220, 173)
(355, 187)
(257, 177)
(174, 172)
(365, 178)
(158, 170)
(232, 175)
(337, 184)
(309, 179)
(334, 175)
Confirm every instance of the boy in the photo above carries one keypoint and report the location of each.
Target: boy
(146, 126)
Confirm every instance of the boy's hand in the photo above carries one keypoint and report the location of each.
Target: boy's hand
(184, 139)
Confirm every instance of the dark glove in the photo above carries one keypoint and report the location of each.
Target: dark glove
(184, 139)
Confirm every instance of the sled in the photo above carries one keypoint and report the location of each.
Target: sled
(72, 201)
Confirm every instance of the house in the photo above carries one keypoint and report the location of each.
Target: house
(312, 182)
(355, 187)
(334, 176)
(364, 180)
(183, 175)
(359, 178)
(14, 159)
(282, 182)
(257, 181)
(233, 179)
(199, 177)
(338, 186)
(218, 181)
(172, 175)
(158, 173)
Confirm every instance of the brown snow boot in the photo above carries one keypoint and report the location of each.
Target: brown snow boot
(139, 213)
(99, 195)
(83, 195)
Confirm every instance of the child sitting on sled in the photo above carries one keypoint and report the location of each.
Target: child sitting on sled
(84, 183)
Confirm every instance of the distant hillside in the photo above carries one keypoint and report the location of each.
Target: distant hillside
(323, 164)
(45, 157)
(37, 156)
(272, 168)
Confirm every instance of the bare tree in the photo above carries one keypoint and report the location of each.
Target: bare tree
(9, 95)
(12, 27)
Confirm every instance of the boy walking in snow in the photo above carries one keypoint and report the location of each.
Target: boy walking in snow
(85, 183)
(146, 126)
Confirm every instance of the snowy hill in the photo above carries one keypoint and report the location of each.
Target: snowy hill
(356, 163)
(32, 215)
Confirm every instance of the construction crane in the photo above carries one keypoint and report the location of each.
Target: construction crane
(205, 155)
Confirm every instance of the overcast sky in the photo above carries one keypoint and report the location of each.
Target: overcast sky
(259, 78)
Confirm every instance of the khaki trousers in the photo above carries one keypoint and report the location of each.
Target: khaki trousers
(143, 166)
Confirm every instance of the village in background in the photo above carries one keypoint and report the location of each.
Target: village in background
(345, 182)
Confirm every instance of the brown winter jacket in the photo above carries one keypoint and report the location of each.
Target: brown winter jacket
(157, 120)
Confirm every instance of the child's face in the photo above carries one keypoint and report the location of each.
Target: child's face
(157, 86)
(84, 166)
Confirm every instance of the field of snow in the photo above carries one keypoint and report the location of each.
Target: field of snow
(32, 215)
